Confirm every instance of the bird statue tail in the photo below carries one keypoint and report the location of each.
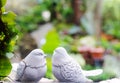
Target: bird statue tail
(92, 72)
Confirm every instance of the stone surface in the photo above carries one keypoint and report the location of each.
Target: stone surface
(114, 80)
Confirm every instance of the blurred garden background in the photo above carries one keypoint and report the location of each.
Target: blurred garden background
(88, 29)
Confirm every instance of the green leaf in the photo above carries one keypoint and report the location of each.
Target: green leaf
(2, 3)
(8, 17)
(52, 41)
(5, 67)
(49, 68)
(3, 9)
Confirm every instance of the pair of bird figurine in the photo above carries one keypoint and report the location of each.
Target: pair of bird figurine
(33, 67)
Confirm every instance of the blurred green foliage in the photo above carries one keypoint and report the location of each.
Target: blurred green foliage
(62, 26)
(8, 32)
(49, 73)
(103, 76)
(29, 21)
(113, 28)
(52, 41)
(59, 9)
(2, 3)
(116, 47)
(8, 36)
(88, 67)
(105, 43)
(5, 67)
(111, 17)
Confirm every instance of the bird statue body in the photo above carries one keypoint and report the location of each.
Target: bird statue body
(66, 69)
(32, 68)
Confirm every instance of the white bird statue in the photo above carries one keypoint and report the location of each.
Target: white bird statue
(32, 68)
(66, 69)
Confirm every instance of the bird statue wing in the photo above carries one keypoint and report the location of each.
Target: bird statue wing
(71, 71)
(20, 70)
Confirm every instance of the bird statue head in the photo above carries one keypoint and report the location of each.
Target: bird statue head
(60, 54)
(35, 56)
(37, 53)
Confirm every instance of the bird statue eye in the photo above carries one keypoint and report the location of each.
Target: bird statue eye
(40, 53)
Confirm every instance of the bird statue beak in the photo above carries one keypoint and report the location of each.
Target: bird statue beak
(57, 51)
